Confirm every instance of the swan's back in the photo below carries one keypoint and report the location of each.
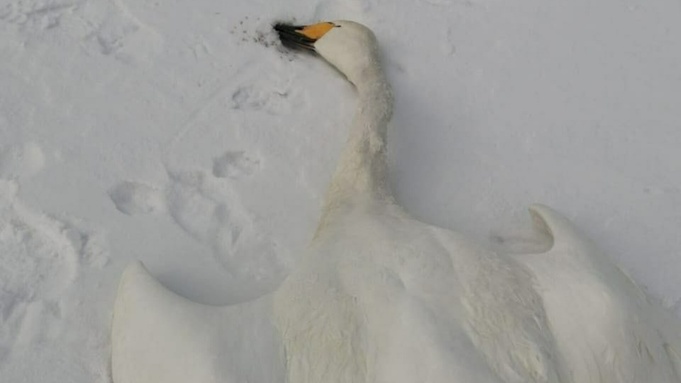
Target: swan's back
(382, 297)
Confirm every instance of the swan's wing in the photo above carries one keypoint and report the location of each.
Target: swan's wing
(160, 337)
(606, 327)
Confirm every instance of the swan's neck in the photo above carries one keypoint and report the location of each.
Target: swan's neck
(362, 173)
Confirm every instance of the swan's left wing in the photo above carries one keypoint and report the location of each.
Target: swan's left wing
(160, 337)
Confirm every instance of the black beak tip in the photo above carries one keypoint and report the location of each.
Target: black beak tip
(292, 39)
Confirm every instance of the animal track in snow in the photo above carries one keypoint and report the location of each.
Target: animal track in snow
(134, 198)
(41, 258)
(209, 210)
(21, 161)
(271, 98)
(119, 33)
(205, 205)
(36, 15)
(236, 164)
(107, 26)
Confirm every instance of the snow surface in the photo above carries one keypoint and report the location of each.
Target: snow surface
(180, 134)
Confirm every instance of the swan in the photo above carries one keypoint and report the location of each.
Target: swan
(379, 296)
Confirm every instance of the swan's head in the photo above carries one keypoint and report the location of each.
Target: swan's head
(349, 46)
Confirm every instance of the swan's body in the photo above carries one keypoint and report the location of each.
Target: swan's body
(381, 297)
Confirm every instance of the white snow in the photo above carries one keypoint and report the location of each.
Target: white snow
(179, 134)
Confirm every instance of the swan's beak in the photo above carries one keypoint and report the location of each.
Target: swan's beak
(302, 36)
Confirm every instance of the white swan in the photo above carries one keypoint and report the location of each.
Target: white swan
(381, 297)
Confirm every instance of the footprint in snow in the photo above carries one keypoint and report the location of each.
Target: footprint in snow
(36, 15)
(273, 96)
(134, 198)
(236, 164)
(118, 33)
(211, 212)
(206, 206)
(41, 258)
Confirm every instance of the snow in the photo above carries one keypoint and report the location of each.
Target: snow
(180, 134)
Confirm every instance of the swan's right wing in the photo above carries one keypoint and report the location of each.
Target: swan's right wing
(160, 337)
(606, 327)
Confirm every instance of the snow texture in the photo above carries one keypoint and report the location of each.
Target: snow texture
(180, 134)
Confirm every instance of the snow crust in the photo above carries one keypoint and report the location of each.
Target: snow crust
(179, 134)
